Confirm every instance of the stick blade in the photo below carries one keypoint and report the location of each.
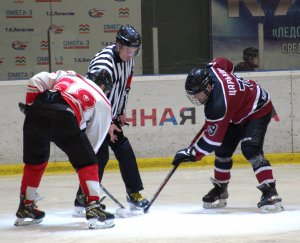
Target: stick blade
(146, 209)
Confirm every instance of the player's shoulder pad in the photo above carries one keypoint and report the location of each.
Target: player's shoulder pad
(215, 109)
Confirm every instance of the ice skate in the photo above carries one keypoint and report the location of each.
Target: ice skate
(28, 213)
(136, 204)
(270, 202)
(79, 205)
(98, 218)
(136, 201)
(216, 197)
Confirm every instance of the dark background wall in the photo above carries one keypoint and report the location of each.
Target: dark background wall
(183, 34)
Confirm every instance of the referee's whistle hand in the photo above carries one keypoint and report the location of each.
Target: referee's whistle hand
(111, 132)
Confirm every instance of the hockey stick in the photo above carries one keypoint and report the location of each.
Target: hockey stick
(111, 196)
(171, 172)
(122, 212)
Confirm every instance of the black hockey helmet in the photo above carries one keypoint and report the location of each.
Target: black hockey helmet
(197, 81)
(128, 36)
(101, 77)
(250, 53)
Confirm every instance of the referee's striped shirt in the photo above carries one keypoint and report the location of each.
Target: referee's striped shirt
(121, 74)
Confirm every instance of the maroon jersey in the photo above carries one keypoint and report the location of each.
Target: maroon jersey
(232, 100)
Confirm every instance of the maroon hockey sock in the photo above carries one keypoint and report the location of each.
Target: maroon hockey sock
(222, 176)
(264, 174)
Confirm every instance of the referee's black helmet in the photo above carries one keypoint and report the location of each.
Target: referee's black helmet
(128, 36)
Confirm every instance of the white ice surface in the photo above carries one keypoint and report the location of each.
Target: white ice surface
(176, 215)
(166, 223)
(185, 222)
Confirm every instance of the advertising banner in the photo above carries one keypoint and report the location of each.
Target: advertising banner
(273, 27)
(73, 31)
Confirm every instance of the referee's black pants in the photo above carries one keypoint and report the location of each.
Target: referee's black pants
(127, 161)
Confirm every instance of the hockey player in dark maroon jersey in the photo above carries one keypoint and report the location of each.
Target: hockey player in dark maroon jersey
(236, 110)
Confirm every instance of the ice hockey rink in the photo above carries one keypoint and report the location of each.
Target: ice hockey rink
(176, 215)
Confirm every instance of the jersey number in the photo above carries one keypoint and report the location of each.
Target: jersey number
(85, 98)
(243, 84)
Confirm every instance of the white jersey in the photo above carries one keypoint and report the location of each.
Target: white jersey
(91, 107)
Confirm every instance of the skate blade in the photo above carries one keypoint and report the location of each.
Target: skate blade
(26, 221)
(221, 203)
(126, 213)
(96, 224)
(79, 212)
(275, 208)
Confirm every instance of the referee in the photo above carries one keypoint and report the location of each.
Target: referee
(117, 62)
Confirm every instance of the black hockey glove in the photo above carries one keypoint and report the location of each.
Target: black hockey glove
(23, 107)
(184, 155)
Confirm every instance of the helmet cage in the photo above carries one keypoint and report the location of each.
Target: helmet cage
(192, 98)
(195, 101)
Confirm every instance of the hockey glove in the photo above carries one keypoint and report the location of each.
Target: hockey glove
(23, 107)
(184, 155)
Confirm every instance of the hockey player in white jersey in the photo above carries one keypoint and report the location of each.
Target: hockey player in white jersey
(73, 112)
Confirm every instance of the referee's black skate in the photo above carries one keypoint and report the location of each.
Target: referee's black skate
(98, 218)
(270, 202)
(216, 197)
(28, 213)
(136, 201)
